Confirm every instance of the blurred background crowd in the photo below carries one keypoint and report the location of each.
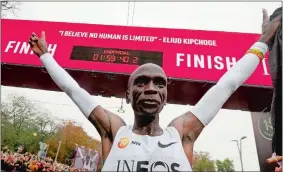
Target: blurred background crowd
(29, 162)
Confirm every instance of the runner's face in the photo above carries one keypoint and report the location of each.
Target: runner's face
(148, 90)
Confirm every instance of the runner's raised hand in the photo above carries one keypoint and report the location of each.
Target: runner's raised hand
(269, 28)
(38, 45)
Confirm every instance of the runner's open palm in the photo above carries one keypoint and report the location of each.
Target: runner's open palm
(38, 45)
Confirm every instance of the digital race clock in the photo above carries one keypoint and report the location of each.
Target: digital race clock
(115, 55)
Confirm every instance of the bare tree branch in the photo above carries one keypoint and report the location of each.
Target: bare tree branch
(10, 6)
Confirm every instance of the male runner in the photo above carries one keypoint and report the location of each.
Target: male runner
(145, 146)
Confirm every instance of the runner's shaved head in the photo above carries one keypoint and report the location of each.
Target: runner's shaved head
(145, 69)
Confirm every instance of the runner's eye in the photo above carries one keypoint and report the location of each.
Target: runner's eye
(141, 81)
(160, 82)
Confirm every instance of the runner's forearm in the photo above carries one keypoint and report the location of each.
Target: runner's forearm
(67, 84)
(210, 104)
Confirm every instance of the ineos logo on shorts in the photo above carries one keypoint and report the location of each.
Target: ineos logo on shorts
(146, 166)
(123, 142)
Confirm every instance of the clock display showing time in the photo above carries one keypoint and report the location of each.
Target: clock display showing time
(115, 55)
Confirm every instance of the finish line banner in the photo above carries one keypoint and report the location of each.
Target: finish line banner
(183, 54)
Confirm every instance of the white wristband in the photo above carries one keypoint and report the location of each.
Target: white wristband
(80, 97)
(261, 46)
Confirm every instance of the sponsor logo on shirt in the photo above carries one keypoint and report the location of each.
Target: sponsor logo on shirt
(123, 142)
(146, 166)
(135, 143)
(165, 145)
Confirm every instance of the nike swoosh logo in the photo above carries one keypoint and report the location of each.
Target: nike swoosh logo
(166, 145)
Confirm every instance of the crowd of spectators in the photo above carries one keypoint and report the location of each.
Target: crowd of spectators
(17, 162)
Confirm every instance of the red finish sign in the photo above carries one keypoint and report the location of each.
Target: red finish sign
(186, 54)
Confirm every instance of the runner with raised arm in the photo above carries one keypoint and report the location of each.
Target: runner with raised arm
(145, 146)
